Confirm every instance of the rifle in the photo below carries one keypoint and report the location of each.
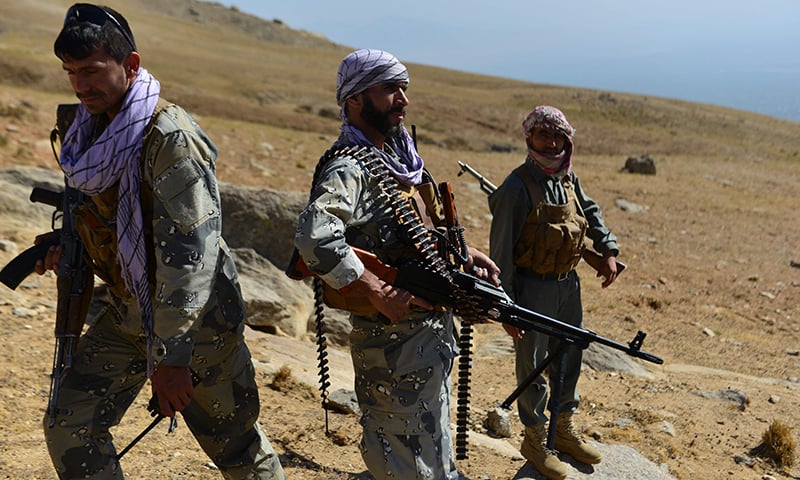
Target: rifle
(476, 299)
(74, 284)
(74, 281)
(591, 257)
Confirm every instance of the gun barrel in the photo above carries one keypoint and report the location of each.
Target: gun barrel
(501, 308)
(487, 186)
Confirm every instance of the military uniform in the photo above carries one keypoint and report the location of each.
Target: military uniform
(401, 370)
(198, 318)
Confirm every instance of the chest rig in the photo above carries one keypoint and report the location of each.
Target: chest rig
(551, 241)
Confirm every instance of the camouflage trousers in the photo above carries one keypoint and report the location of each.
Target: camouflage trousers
(108, 372)
(403, 387)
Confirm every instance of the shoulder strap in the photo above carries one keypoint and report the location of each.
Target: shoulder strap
(531, 185)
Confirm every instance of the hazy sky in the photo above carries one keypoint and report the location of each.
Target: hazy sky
(736, 53)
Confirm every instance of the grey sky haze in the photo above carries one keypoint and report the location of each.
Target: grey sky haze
(736, 53)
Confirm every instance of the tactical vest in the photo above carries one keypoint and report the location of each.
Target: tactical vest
(95, 224)
(552, 237)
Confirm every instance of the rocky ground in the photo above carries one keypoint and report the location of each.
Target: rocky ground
(712, 279)
(679, 420)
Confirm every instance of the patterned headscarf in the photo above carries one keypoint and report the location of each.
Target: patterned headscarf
(359, 71)
(95, 166)
(552, 118)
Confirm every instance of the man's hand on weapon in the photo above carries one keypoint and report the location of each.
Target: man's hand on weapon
(482, 266)
(393, 302)
(53, 256)
(172, 385)
(485, 269)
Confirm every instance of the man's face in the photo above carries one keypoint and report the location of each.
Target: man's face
(546, 140)
(384, 107)
(99, 82)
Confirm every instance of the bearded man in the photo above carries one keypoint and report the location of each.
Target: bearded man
(402, 347)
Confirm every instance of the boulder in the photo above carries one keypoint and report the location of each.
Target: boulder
(643, 164)
(262, 219)
(275, 303)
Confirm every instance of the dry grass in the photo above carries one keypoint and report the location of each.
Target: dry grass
(283, 380)
(778, 445)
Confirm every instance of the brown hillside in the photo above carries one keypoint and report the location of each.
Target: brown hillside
(712, 256)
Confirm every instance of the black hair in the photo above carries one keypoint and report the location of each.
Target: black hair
(78, 39)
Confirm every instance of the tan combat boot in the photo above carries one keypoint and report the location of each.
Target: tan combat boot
(534, 449)
(569, 441)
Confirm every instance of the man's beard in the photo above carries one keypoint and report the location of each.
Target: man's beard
(381, 121)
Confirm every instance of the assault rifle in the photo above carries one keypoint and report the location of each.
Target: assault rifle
(74, 281)
(590, 256)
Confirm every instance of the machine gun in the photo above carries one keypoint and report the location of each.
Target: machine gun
(477, 301)
(590, 256)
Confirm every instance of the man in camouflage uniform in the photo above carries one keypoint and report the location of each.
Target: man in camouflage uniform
(151, 225)
(541, 216)
(402, 350)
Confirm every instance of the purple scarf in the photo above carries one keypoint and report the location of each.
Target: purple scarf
(93, 167)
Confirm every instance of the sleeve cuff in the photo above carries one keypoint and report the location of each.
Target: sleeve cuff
(178, 351)
(347, 271)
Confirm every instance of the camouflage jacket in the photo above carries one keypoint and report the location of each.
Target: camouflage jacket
(191, 268)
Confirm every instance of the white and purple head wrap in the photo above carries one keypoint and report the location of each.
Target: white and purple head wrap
(359, 71)
(553, 119)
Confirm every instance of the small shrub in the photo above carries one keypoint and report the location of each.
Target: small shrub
(777, 445)
(283, 380)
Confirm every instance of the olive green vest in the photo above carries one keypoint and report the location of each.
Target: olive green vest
(552, 237)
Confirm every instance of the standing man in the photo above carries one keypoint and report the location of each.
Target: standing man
(151, 227)
(402, 346)
(541, 216)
